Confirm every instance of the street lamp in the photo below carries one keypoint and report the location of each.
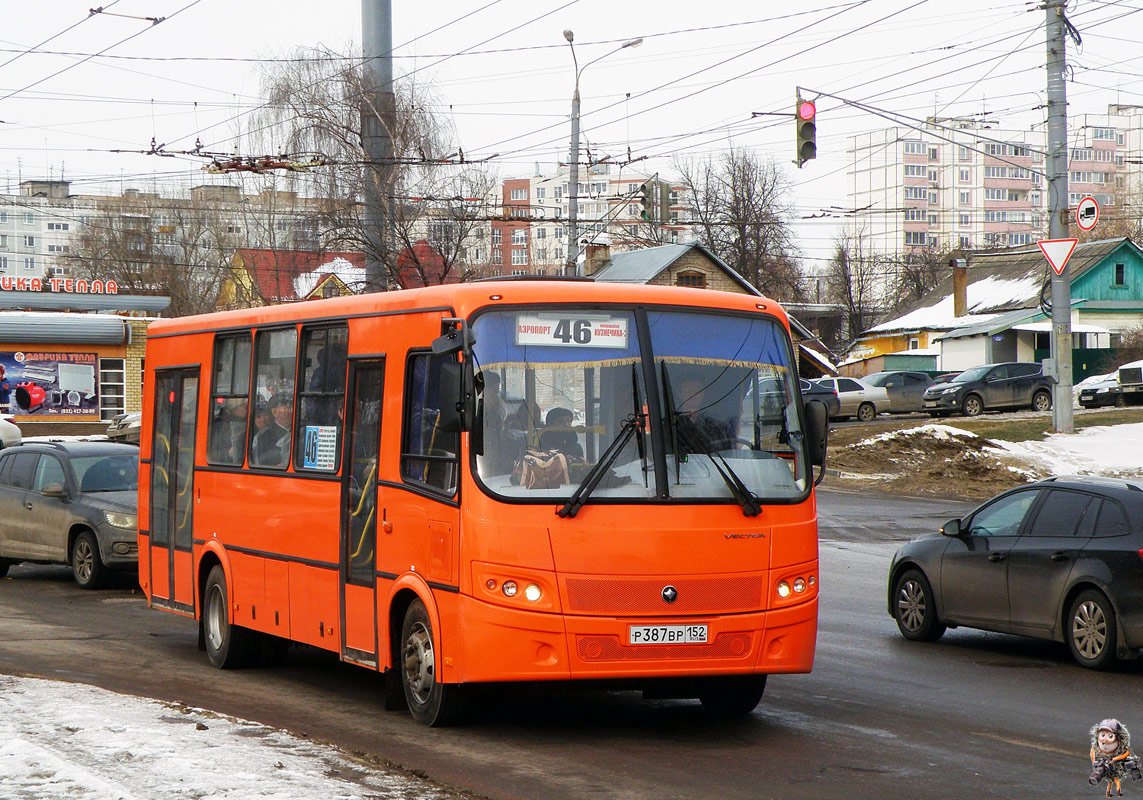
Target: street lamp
(572, 267)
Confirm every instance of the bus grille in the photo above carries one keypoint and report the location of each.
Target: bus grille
(642, 596)
(608, 648)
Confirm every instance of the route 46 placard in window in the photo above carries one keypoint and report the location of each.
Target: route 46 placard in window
(571, 329)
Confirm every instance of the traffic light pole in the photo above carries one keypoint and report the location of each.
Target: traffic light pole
(1057, 169)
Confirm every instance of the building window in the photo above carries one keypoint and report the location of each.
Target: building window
(965, 220)
(3, 240)
(966, 198)
(1120, 274)
(964, 243)
(694, 280)
(519, 194)
(915, 148)
(933, 219)
(29, 219)
(1103, 134)
(965, 175)
(496, 238)
(497, 257)
(541, 233)
(57, 226)
(519, 257)
(520, 237)
(519, 272)
(30, 264)
(3, 263)
(995, 194)
(29, 241)
(541, 192)
(916, 171)
(112, 387)
(915, 238)
(963, 153)
(3, 216)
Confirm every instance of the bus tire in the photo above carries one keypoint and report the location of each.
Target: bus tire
(227, 646)
(430, 701)
(732, 695)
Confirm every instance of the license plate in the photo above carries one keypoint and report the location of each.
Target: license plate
(930, 403)
(666, 634)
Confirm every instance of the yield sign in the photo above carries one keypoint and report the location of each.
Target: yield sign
(1058, 251)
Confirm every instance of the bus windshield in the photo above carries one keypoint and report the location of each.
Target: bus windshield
(708, 412)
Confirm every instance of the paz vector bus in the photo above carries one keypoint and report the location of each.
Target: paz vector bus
(496, 481)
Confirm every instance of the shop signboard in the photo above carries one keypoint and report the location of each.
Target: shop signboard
(49, 384)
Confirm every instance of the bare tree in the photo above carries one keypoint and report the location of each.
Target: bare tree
(151, 245)
(918, 272)
(433, 200)
(741, 207)
(855, 278)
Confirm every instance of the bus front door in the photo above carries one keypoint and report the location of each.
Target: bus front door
(359, 513)
(172, 489)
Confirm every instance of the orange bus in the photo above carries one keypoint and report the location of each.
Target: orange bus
(512, 480)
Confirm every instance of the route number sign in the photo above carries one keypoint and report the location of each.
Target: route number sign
(558, 330)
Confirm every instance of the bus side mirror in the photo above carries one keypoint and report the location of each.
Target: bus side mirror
(817, 435)
(456, 397)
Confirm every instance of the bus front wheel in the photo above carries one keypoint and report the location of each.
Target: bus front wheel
(430, 702)
(227, 646)
(733, 696)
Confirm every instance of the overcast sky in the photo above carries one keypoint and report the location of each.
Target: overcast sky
(502, 73)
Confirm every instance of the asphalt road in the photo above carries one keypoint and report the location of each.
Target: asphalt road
(973, 715)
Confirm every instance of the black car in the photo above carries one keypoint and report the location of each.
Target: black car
(1015, 384)
(906, 389)
(824, 394)
(70, 503)
(1104, 393)
(1059, 559)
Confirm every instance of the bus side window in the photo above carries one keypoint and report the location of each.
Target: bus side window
(429, 454)
(274, 360)
(230, 401)
(321, 397)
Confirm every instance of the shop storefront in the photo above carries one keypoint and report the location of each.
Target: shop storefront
(72, 360)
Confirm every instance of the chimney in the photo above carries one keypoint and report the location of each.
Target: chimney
(595, 258)
(960, 286)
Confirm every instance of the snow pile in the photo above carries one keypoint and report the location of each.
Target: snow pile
(933, 431)
(63, 740)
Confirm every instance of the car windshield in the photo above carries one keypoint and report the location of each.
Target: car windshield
(974, 374)
(106, 473)
(559, 388)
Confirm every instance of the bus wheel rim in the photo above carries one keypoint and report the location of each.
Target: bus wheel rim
(420, 663)
(214, 618)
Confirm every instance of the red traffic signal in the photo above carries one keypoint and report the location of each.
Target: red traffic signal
(807, 131)
(806, 110)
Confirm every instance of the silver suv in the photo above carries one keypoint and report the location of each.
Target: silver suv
(70, 503)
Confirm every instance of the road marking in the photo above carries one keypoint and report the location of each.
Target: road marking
(1034, 745)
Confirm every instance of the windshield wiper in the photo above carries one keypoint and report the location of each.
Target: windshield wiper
(628, 429)
(741, 492)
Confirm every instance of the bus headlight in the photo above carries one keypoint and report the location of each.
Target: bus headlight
(509, 588)
(799, 586)
(783, 590)
(532, 593)
(121, 520)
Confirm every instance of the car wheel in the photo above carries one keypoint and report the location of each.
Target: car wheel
(431, 702)
(1091, 630)
(1042, 401)
(915, 608)
(227, 646)
(86, 565)
(733, 695)
(1120, 402)
(972, 406)
(866, 412)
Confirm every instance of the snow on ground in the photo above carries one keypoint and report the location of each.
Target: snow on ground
(68, 741)
(1110, 450)
(933, 430)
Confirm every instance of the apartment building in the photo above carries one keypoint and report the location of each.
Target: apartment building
(971, 183)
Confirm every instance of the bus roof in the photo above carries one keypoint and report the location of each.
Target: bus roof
(462, 299)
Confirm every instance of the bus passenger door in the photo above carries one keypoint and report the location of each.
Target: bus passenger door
(359, 512)
(172, 489)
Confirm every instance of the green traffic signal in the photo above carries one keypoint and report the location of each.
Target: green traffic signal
(646, 201)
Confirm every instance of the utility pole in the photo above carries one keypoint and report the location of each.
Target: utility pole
(378, 118)
(1057, 167)
(573, 183)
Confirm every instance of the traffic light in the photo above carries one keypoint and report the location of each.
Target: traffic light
(646, 200)
(806, 120)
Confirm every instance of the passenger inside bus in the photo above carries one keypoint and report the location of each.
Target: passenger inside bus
(558, 433)
(700, 425)
(228, 431)
(503, 445)
(271, 447)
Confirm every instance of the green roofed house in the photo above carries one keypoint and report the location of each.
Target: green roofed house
(988, 311)
(693, 265)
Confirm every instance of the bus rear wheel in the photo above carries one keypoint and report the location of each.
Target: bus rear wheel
(227, 646)
(733, 696)
(430, 701)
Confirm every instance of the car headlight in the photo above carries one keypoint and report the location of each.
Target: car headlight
(951, 390)
(121, 520)
(1104, 390)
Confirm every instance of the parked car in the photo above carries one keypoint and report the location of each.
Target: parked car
(125, 427)
(1014, 384)
(1058, 560)
(824, 394)
(1106, 392)
(70, 503)
(906, 389)
(9, 433)
(856, 398)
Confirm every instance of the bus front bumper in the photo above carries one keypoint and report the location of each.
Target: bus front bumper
(508, 644)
